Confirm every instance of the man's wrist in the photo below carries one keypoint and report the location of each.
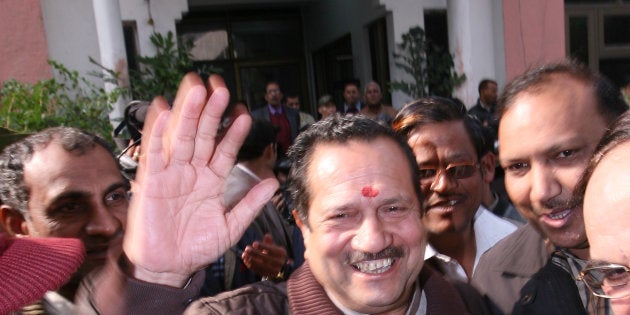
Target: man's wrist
(163, 278)
(282, 274)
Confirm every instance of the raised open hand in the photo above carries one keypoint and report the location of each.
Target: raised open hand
(177, 221)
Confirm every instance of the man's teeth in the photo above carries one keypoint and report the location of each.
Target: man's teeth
(375, 266)
(452, 202)
(560, 215)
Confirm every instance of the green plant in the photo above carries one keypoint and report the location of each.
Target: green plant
(430, 67)
(161, 74)
(71, 100)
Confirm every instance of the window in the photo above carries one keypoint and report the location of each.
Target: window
(333, 67)
(131, 44)
(578, 38)
(597, 36)
(251, 47)
(436, 27)
(589, 1)
(377, 32)
(616, 29)
(270, 38)
(210, 42)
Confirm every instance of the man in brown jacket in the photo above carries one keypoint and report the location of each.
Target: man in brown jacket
(357, 200)
(551, 118)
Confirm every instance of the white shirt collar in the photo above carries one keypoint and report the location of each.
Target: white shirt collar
(489, 229)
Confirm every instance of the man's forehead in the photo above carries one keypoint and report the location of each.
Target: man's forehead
(611, 176)
(371, 161)
(321, 157)
(372, 86)
(444, 136)
(549, 84)
(54, 160)
(608, 194)
(562, 99)
(92, 174)
(543, 127)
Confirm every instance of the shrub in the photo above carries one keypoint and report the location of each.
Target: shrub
(430, 67)
(71, 101)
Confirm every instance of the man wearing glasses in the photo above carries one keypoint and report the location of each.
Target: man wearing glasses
(286, 119)
(551, 119)
(606, 216)
(454, 166)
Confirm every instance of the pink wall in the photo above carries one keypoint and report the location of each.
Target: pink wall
(23, 49)
(534, 33)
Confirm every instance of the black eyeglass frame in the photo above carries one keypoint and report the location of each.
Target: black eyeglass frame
(424, 180)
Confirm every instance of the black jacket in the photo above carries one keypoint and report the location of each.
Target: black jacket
(550, 291)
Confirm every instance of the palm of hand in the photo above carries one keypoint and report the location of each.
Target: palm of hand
(196, 218)
(178, 222)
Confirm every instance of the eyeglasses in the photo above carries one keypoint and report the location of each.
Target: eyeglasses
(611, 281)
(455, 171)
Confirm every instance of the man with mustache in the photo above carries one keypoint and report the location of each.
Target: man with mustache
(455, 165)
(551, 119)
(285, 118)
(374, 108)
(352, 98)
(64, 182)
(361, 221)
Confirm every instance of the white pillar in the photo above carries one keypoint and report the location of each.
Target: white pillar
(471, 32)
(111, 44)
(405, 14)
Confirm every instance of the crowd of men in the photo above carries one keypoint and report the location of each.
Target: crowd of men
(393, 212)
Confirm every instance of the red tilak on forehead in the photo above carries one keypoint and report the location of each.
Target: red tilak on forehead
(369, 191)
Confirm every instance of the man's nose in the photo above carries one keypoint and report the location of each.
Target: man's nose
(372, 236)
(442, 182)
(544, 184)
(103, 222)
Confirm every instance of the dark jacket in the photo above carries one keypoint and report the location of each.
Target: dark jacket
(292, 115)
(486, 117)
(235, 273)
(552, 291)
(111, 292)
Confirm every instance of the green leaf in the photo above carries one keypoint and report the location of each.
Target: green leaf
(430, 66)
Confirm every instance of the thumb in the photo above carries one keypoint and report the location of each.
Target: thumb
(247, 209)
(267, 239)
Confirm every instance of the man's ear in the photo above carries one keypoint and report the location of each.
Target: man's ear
(306, 233)
(298, 221)
(13, 221)
(488, 164)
